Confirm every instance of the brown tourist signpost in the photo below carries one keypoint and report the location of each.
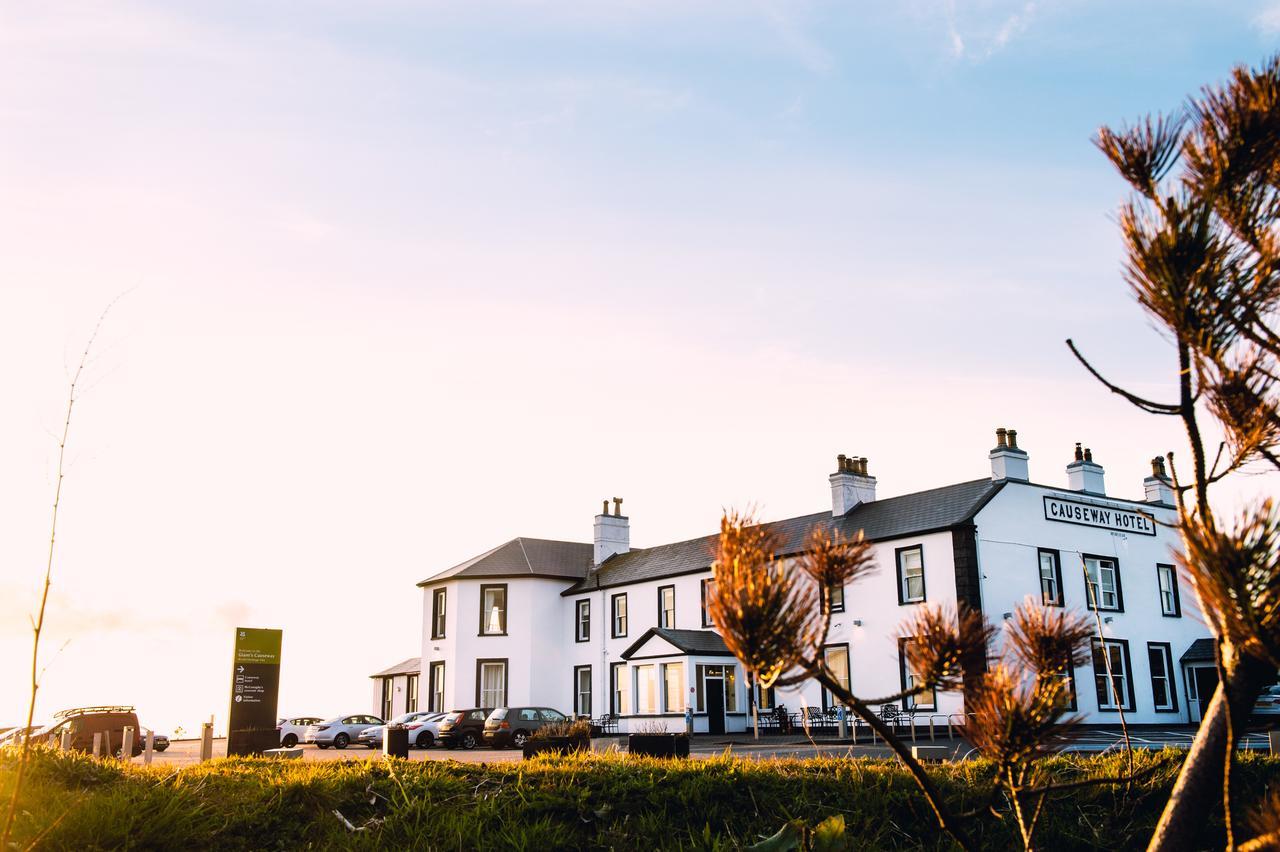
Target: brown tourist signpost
(255, 684)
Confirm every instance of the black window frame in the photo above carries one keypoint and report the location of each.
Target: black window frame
(613, 615)
(1096, 606)
(1167, 650)
(431, 686)
(579, 606)
(577, 670)
(1057, 576)
(932, 706)
(662, 610)
(618, 674)
(388, 695)
(924, 590)
(506, 597)
(1177, 596)
(439, 600)
(837, 605)
(411, 693)
(706, 616)
(829, 700)
(1094, 644)
(506, 678)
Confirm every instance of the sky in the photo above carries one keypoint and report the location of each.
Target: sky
(400, 281)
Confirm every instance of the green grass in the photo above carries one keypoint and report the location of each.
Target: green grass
(572, 802)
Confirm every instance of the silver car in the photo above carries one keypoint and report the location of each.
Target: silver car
(339, 731)
(423, 725)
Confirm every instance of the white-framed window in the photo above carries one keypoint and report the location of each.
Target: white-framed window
(927, 700)
(707, 586)
(493, 610)
(582, 690)
(435, 700)
(1104, 583)
(620, 689)
(910, 574)
(1164, 693)
(1050, 577)
(667, 606)
(1111, 674)
(582, 621)
(1167, 578)
(491, 683)
(646, 689)
(673, 687)
(411, 702)
(438, 598)
(618, 603)
(837, 660)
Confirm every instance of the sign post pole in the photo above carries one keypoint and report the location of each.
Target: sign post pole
(255, 685)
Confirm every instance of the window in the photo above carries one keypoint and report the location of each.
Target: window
(491, 683)
(1168, 579)
(583, 621)
(837, 660)
(837, 598)
(721, 677)
(673, 687)
(927, 700)
(618, 689)
(437, 614)
(910, 574)
(707, 586)
(582, 690)
(765, 698)
(646, 690)
(1050, 577)
(619, 606)
(386, 697)
(1111, 674)
(493, 610)
(549, 715)
(435, 699)
(1163, 691)
(411, 703)
(667, 606)
(1104, 583)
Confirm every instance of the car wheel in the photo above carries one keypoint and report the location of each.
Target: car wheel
(519, 738)
(469, 740)
(321, 745)
(425, 740)
(341, 740)
(289, 741)
(161, 748)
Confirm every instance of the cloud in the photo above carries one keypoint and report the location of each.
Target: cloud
(1268, 20)
(985, 31)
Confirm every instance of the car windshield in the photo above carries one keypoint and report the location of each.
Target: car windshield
(500, 713)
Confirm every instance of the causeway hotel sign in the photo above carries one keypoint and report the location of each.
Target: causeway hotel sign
(1092, 515)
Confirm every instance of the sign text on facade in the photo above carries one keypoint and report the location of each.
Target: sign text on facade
(1105, 517)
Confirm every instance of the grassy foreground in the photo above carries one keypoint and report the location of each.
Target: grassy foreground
(576, 802)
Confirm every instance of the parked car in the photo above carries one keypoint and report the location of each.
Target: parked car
(1267, 708)
(84, 722)
(15, 736)
(339, 731)
(463, 728)
(511, 726)
(422, 725)
(160, 743)
(292, 730)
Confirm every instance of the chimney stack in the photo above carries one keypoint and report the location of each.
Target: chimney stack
(1158, 487)
(851, 485)
(612, 532)
(1083, 474)
(1007, 461)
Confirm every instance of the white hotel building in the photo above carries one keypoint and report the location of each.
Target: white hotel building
(603, 628)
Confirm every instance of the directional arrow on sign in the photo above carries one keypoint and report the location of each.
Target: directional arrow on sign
(240, 669)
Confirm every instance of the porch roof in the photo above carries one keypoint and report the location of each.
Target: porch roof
(663, 641)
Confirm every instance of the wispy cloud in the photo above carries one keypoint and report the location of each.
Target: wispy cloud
(977, 35)
(1268, 20)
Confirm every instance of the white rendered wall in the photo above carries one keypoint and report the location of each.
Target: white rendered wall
(1011, 528)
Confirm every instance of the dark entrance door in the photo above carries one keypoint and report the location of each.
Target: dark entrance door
(715, 705)
(1206, 684)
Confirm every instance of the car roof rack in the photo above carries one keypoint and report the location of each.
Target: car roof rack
(85, 711)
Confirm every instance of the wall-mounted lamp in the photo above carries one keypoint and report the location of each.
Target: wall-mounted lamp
(1007, 616)
(1108, 620)
(857, 622)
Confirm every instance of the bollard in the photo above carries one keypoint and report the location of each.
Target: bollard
(206, 741)
(1273, 737)
(65, 745)
(844, 725)
(97, 744)
(149, 748)
(395, 741)
(126, 744)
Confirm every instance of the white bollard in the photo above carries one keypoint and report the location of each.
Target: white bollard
(97, 744)
(206, 741)
(65, 745)
(126, 744)
(149, 748)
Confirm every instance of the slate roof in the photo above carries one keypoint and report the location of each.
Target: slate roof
(413, 665)
(1201, 651)
(703, 642)
(893, 517)
(525, 557)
